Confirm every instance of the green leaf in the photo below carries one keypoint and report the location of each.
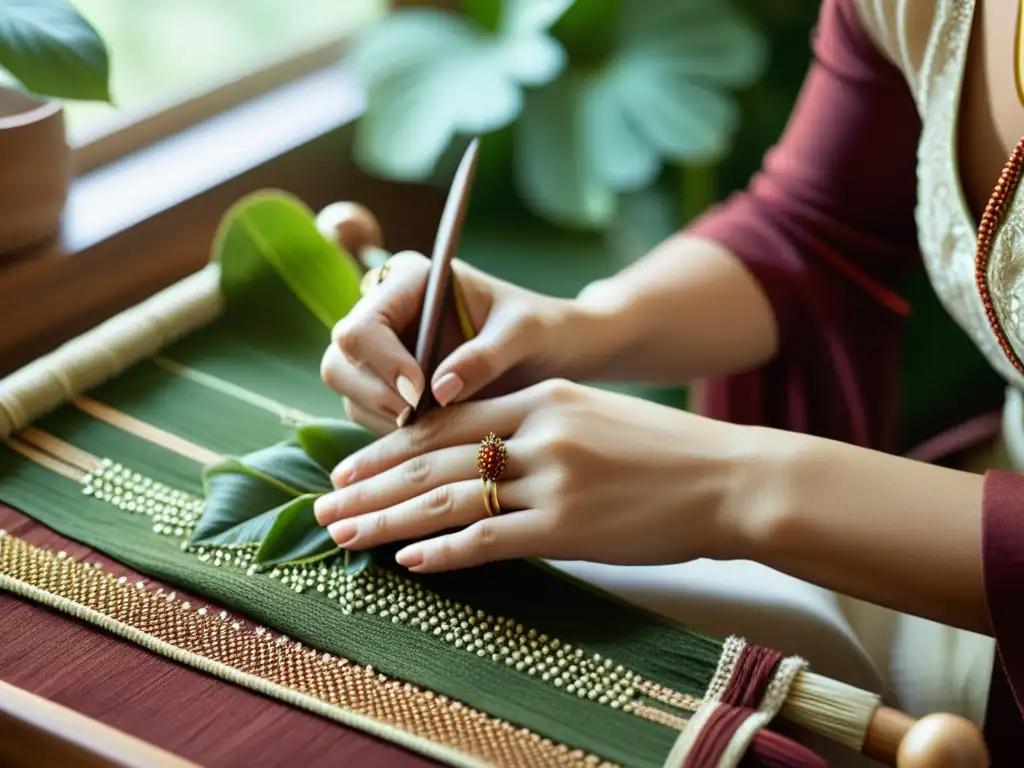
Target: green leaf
(52, 50)
(665, 93)
(276, 229)
(431, 76)
(295, 536)
(328, 442)
(554, 171)
(266, 498)
(241, 494)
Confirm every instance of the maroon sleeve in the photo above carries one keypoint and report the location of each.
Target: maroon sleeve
(1003, 558)
(827, 228)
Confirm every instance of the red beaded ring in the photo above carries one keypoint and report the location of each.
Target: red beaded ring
(492, 458)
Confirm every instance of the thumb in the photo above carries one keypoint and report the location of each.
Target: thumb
(502, 343)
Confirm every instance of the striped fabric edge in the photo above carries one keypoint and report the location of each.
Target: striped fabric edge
(329, 686)
(734, 651)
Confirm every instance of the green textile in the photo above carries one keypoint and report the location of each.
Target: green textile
(277, 356)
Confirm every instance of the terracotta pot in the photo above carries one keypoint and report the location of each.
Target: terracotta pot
(35, 164)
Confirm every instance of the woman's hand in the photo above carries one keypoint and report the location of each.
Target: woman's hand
(591, 475)
(521, 338)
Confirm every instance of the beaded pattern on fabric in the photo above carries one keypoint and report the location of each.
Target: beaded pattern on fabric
(397, 599)
(279, 667)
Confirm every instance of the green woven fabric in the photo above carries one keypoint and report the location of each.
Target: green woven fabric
(277, 356)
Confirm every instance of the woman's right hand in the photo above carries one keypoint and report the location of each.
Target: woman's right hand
(519, 337)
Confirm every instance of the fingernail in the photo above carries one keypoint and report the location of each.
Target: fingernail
(341, 475)
(320, 509)
(403, 417)
(410, 558)
(342, 532)
(408, 391)
(447, 388)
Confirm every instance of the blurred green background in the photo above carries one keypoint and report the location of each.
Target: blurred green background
(163, 51)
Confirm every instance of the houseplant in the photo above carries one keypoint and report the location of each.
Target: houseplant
(48, 51)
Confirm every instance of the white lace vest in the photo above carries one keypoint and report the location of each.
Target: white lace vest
(928, 41)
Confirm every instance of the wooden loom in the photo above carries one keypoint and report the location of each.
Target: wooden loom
(891, 737)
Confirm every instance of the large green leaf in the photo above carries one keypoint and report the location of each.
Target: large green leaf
(664, 94)
(52, 50)
(239, 493)
(276, 229)
(431, 76)
(552, 165)
(295, 536)
(328, 442)
(266, 498)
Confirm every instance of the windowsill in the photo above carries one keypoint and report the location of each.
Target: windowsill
(140, 223)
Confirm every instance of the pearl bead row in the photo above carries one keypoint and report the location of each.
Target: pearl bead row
(174, 513)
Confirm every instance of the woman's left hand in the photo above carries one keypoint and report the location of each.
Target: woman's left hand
(591, 475)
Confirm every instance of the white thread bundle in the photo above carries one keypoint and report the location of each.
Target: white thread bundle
(833, 709)
(108, 349)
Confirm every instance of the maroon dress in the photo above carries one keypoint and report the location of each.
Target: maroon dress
(827, 227)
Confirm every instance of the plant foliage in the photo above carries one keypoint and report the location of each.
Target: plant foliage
(52, 50)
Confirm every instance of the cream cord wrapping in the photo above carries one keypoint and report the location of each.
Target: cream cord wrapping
(109, 349)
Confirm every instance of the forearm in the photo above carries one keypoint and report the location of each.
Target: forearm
(687, 309)
(878, 527)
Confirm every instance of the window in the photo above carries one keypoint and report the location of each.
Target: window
(175, 62)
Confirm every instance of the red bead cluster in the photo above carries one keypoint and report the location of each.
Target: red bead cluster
(492, 458)
(994, 213)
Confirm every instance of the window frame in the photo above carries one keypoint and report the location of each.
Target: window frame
(124, 238)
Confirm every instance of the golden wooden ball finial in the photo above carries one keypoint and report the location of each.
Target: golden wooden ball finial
(351, 226)
(942, 741)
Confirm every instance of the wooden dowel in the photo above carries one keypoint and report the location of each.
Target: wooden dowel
(36, 731)
(896, 739)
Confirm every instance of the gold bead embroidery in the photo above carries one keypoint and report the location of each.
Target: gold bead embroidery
(157, 619)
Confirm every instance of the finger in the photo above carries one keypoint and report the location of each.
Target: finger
(503, 342)
(411, 478)
(373, 421)
(440, 509)
(508, 536)
(416, 476)
(359, 386)
(369, 336)
(467, 424)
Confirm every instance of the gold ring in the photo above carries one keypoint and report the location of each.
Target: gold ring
(490, 498)
(491, 461)
(374, 277)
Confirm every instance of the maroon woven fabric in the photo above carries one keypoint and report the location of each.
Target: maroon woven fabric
(186, 712)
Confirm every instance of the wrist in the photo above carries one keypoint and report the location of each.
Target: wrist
(761, 497)
(583, 339)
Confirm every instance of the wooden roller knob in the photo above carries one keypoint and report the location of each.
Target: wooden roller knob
(352, 227)
(942, 740)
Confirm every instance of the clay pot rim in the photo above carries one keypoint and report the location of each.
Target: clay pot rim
(41, 111)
